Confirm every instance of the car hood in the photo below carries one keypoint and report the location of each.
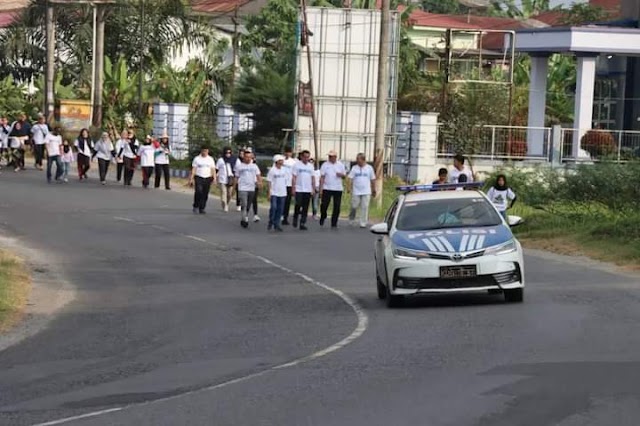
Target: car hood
(453, 240)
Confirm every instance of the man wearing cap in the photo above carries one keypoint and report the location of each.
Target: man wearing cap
(363, 180)
(332, 173)
(277, 178)
(203, 172)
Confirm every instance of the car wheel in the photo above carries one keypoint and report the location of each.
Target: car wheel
(514, 296)
(394, 301)
(382, 289)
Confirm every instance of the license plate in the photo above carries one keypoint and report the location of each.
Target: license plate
(458, 272)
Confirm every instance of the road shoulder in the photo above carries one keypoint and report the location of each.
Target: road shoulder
(50, 292)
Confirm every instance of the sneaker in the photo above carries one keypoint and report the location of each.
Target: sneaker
(278, 229)
(202, 211)
(225, 208)
(303, 227)
(256, 218)
(239, 208)
(244, 223)
(168, 188)
(66, 180)
(322, 222)
(103, 183)
(195, 210)
(295, 222)
(363, 225)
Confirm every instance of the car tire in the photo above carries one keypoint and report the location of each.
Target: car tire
(514, 296)
(382, 289)
(394, 301)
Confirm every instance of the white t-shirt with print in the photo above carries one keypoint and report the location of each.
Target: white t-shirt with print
(247, 175)
(39, 132)
(225, 171)
(277, 178)
(288, 166)
(161, 154)
(203, 166)
(53, 144)
(304, 177)
(329, 170)
(454, 174)
(146, 153)
(501, 198)
(361, 178)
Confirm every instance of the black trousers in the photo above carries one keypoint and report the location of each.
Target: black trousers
(201, 195)
(162, 170)
(327, 197)
(120, 169)
(129, 169)
(254, 202)
(84, 164)
(38, 153)
(103, 168)
(147, 172)
(287, 205)
(301, 208)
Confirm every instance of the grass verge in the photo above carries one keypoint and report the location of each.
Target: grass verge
(15, 284)
(582, 230)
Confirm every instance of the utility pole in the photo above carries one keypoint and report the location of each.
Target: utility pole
(314, 117)
(235, 44)
(143, 45)
(98, 68)
(381, 99)
(49, 101)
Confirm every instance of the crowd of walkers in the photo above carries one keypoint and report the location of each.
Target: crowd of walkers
(126, 153)
(289, 182)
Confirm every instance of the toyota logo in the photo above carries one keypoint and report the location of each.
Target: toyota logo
(457, 257)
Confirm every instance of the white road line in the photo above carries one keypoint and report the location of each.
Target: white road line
(124, 219)
(361, 327)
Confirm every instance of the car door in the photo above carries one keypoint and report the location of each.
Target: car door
(382, 243)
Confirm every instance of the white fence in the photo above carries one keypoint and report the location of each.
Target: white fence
(544, 144)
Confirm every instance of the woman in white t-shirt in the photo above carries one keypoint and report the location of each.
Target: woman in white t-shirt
(203, 172)
(249, 179)
(501, 195)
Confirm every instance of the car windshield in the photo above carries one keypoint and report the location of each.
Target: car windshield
(446, 213)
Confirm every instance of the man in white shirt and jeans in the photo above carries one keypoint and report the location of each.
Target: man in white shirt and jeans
(53, 144)
(203, 172)
(363, 180)
(331, 174)
(303, 187)
(248, 177)
(277, 178)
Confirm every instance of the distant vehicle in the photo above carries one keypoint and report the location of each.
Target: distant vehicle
(446, 239)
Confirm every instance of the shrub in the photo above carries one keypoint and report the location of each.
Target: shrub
(598, 143)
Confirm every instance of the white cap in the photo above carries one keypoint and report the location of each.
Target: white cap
(278, 157)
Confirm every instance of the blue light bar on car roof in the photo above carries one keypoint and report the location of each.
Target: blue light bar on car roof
(440, 187)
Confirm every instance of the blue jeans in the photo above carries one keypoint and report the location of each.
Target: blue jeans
(54, 159)
(276, 210)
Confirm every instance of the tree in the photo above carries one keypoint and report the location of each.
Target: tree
(583, 13)
(522, 9)
(267, 95)
(443, 6)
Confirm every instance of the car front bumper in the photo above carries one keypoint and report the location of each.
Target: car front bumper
(423, 276)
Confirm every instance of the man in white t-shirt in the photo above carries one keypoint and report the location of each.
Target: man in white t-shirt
(203, 172)
(39, 132)
(225, 166)
(302, 186)
(332, 173)
(288, 164)
(277, 178)
(363, 180)
(53, 144)
(249, 178)
(459, 169)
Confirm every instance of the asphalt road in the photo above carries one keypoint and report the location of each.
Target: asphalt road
(182, 319)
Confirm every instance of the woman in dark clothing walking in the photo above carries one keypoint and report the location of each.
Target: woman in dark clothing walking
(85, 148)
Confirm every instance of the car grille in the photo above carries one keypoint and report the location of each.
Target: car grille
(449, 256)
(479, 281)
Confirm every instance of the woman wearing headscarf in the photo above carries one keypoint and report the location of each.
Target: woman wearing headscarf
(161, 156)
(105, 152)
(85, 148)
(129, 154)
(120, 144)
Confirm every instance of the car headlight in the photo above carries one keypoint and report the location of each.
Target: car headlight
(403, 253)
(506, 248)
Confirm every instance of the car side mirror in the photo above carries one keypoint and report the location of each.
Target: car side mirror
(380, 229)
(514, 221)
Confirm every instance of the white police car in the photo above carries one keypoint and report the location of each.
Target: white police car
(442, 239)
